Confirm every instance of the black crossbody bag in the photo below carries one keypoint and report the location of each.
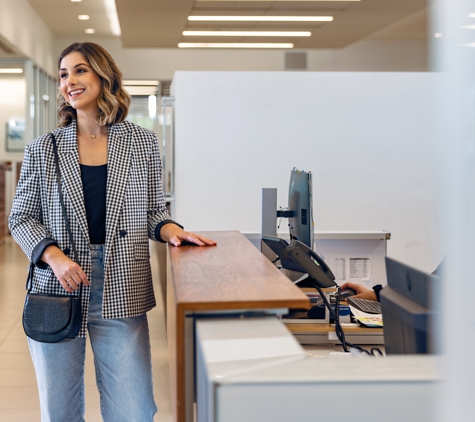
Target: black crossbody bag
(53, 318)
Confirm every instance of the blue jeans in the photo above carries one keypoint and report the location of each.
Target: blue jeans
(122, 361)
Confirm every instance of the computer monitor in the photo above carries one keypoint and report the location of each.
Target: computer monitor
(301, 208)
(408, 306)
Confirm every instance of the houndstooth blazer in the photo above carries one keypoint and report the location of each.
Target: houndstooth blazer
(135, 204)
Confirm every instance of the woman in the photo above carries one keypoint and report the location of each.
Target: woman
(111, 176)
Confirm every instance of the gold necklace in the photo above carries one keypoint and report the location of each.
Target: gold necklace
(90, 134)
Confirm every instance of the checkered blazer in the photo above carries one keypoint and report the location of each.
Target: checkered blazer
(135, 204)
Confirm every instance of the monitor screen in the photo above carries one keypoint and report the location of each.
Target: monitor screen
(408, 307)
(300, 205)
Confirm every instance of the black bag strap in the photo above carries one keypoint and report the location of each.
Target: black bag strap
(63, 209)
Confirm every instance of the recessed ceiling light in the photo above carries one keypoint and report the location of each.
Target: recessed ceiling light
(470, 44)
(247, 33)
(235, 45)
(89, 31)
(469, 26)
(438, 35)
(471, 15)
(11, 70)
(262, 18)
(84, 17)
(76, 1)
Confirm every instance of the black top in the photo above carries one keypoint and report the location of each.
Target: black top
(94, 184)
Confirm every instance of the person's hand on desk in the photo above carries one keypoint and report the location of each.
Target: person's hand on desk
(176, 236)
(361, 291)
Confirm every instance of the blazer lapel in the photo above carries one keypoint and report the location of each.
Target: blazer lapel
(119, 159)
(71, 173)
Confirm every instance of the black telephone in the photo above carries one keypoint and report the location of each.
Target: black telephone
(312, 264)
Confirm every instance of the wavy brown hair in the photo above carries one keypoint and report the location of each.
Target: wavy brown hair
(113, 99)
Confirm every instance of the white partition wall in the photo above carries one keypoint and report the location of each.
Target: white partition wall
(364, 136)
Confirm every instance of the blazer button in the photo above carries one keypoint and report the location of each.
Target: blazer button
(123, 233)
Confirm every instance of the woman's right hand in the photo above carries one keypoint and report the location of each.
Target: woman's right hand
(69, 274)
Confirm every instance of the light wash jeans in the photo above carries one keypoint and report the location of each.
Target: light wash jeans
(121, 357)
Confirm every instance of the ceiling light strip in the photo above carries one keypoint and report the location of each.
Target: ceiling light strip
(261, 18)
(246, 33)
(235, 45)
(140, 82)
(11, 70)
(287, 1)
(113, 17)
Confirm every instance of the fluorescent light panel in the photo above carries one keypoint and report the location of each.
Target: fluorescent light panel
(235, 45)
(11, 70)
(84, 17)
(141, 90)
(262, 18)
(140, 83)
(111, 11)
(247, 33)
(89, 31)
(469, 26)
(288, 1)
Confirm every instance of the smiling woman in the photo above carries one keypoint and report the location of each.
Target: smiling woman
(109, 172)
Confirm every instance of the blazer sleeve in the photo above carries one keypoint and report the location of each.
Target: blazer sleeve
(156, 206)
(26, 221)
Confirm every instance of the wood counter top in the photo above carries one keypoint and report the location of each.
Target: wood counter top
(231, 275)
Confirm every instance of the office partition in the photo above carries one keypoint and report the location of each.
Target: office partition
(364, 135)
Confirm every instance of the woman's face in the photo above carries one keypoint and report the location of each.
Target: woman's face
(80, 84)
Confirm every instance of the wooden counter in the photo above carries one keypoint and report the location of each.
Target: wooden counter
(296, 328)
(233, 275)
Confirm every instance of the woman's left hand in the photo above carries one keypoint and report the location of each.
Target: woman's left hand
(176, 236)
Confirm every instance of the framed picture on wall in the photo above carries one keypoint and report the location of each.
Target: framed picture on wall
(15, 135)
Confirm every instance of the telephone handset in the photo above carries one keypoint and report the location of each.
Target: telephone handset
(313, 265)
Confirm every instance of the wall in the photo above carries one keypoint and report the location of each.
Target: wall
(21, 26)
(365, 55)
(364, 136)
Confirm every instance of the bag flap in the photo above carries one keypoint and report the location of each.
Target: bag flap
(46, 314)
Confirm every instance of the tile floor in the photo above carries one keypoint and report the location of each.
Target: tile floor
(18, 391)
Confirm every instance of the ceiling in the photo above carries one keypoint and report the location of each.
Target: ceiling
(8, 51)
(160, 23)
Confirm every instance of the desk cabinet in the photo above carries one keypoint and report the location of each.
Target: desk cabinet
(228, 279)
(261, 385)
